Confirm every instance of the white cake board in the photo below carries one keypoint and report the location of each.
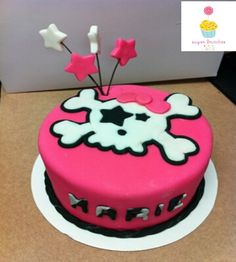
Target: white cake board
(182, 229)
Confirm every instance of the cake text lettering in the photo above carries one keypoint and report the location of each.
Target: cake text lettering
(131, 213)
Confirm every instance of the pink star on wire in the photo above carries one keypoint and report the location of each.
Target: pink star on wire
(81, 66)
(124, 50)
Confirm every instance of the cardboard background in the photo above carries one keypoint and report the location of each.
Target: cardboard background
(26, 65)
(26, 236)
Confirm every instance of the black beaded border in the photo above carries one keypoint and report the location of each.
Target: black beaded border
(124, 233)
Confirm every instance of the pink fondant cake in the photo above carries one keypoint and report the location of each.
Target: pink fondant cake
(127, 161)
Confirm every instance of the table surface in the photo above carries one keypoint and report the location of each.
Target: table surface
(26, 236)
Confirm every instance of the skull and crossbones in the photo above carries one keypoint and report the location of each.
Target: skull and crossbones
(127, 127)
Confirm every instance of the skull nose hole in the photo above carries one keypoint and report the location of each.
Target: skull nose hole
(121, 132)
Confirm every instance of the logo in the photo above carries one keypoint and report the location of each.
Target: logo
(207, 26)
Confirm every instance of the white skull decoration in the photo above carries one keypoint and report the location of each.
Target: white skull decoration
(127, 127)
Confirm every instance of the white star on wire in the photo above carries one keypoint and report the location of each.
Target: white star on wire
(94, 39)
(53, 38)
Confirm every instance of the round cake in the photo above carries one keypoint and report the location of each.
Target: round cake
(128, 162)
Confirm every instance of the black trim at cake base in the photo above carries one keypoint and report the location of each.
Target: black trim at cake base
(124, 233)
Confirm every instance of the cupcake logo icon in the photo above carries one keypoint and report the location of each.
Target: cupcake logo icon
(208, 28)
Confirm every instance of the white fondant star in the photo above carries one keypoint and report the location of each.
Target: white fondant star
(53, 37)
(94, 39)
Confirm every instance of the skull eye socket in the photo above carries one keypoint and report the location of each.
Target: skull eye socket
(142, 117)
(116, 115)
(121, 132)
